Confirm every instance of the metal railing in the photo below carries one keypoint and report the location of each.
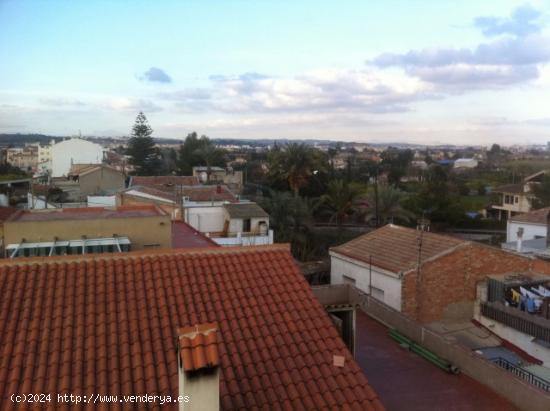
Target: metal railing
(522, 373)
(530, 324)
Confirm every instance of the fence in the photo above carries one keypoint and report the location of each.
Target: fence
(530, 324)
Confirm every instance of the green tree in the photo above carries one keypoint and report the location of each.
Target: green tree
(197, 151)
(295, 164)
(342, 200)
(541, 193)
(390, 206)
(144, 155)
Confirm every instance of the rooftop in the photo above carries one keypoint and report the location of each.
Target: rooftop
(395, 248)
(86, 213)
(108, 324)
(209, 193)
(185, 236)
(509, 188)
(164, 182)
(539, 216)
(245, 210)
(6, 212)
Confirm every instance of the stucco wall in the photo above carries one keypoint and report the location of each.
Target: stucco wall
(74, 151)
(530, 231)
(205, 219)
(387, 281)
(141, 231)
(100, 181)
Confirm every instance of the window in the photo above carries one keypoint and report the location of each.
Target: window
(348, 280)
(516, 199)
(377, 293)
(246, 225)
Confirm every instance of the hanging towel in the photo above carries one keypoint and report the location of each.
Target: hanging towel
(515, 296)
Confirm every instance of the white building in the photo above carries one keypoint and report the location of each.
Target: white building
(527, 233)
(73, 151)
(465, 163)
(376, 262)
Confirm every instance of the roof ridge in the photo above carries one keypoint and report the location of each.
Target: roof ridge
(140, 254)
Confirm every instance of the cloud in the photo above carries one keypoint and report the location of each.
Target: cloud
(522, 22)
(131, 104)
(317, 91)
(156, 75)
(61, 102)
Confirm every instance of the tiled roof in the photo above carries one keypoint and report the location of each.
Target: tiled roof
(83, 169)
(209, 193)
(164, 182)
(107, 324)
(185, 236)
(395, 248)
(245, 210)
(509, 188)
(87, 213)
(539, 216)
(6, 212)
(136, 191)
(198, 347)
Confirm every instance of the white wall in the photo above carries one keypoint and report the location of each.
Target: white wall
(530, 231)
(205, 219)
(381, 279)
(74, 151)
(101, 201)
(519, 339)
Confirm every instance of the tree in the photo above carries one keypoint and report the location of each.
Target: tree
(197, 151)
(295, 164)
(342, 199)
(541, 193)
(143, 153)
(389, 206)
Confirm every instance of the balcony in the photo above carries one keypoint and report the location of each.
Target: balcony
(533, 325)
(243, 239)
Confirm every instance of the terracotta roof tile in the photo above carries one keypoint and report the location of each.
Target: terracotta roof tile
(185, 236)
(198, 347)
(107, 324)
(539, 216)
(395, 248)
(209, 193)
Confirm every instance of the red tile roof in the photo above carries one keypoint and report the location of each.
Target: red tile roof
(209, 193)
(87, 213)
(539, 216)
(135, 191)
(395, 248)
(198, 347)
(164, 182)
(185, 236)
(107, 324)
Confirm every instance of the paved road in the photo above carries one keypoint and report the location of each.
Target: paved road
(405, 381)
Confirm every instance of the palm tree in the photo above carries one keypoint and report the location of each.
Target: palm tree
(210, 155)
(295, 164)
(342, 199)
(389, 206)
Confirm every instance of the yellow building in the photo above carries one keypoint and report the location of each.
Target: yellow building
(86, 230)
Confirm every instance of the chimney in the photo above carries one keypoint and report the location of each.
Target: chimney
(198, 370)
(519, 242)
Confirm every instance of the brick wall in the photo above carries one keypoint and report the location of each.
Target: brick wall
(452, 279)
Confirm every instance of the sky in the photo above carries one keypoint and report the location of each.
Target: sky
(429, 72)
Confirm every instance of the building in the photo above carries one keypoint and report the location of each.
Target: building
(165, 183)
(96, 179)
(217, 175)
(528, 233)
(73, 151)
(143, 195)
(185, 236)
(424, 275)
(245, 223)
(234, 329)
(516, 198)
(86, 230)
(503, 307)
(465, 163)
(25, 158)
(5, 213)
